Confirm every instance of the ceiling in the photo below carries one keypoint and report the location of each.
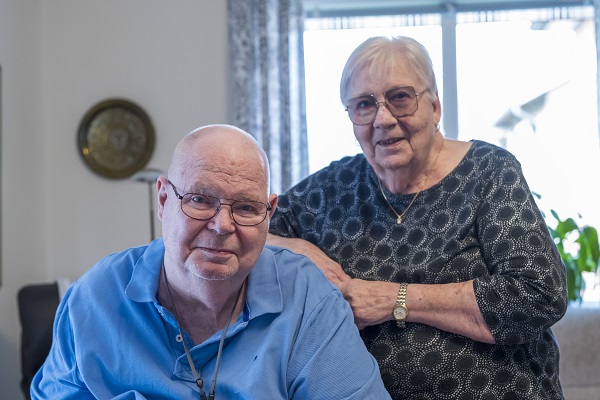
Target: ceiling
(326, 8)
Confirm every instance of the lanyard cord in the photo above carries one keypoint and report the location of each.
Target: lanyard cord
(198, 377)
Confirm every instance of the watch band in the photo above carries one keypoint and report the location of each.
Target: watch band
(401, 302)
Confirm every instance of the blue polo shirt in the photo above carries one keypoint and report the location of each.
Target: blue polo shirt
(295, 339)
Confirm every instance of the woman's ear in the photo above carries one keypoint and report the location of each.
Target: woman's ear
(437, 109)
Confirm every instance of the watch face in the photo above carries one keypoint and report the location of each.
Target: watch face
(400, 313)
(116, 138)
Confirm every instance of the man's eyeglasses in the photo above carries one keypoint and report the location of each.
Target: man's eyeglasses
(203, 207)
(400, 102)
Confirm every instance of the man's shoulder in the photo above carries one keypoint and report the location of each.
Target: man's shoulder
(113, 270)
(302, 284)
(291, 265)
(284, 254)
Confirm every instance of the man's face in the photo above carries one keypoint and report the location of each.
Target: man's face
(216, 249)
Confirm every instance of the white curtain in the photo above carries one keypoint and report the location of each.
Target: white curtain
(267, 88)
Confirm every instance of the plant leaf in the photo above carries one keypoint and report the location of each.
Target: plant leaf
(592, 237)
(566, 226)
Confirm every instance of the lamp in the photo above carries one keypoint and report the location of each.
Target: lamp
(149, 176)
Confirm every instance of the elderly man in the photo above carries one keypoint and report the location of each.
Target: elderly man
(208, 311)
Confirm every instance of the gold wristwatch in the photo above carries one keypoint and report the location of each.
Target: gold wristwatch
(400, 312)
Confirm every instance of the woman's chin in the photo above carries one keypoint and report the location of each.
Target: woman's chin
(389, 160)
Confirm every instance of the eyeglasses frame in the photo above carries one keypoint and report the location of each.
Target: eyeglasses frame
(180, 197)
(387, 106)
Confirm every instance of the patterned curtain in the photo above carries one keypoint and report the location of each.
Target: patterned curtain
(267, 89)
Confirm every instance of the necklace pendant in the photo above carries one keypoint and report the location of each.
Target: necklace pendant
(399, 219)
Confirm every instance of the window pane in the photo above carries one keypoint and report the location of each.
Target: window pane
(530, 86)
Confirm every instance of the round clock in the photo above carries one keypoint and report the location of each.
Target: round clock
(116, 138)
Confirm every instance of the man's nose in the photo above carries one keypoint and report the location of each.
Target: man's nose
(223, 221)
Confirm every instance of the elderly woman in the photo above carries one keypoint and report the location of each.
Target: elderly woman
(437, 244)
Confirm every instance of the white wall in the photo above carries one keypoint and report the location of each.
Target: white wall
(59, 58)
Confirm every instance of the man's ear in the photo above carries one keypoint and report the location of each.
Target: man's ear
(162, 186)
(273, 199)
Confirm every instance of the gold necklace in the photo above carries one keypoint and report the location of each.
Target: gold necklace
(400, 216)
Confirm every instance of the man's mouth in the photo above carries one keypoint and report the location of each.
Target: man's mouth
(216, 250)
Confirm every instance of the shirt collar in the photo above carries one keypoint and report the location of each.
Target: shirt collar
(143, 285)
(263, 294)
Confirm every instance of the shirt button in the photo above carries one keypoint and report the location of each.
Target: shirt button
(179, 338)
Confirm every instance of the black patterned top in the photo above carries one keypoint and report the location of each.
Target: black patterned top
(480, 222)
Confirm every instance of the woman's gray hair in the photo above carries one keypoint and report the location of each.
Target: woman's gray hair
(380, 54)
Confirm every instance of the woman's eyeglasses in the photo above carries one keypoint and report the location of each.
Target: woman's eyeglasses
(400, 102)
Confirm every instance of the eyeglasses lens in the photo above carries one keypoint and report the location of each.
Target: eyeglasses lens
(400, 102)
(204, 207)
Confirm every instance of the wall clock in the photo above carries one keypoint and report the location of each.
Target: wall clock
(116, 138)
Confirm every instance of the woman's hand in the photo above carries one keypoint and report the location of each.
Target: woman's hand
(332, 270)
(371, 301)
(370, 304)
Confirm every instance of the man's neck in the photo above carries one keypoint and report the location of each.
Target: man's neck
(201, 307)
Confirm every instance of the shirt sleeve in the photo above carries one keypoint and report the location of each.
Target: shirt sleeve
(59, 378)
(331, 360)
(525, 292)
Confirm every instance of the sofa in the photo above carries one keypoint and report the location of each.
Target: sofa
(578, 336)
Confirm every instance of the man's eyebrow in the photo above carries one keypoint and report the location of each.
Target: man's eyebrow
(240, 197)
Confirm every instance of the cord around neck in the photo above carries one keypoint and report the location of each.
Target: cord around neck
(198, 376)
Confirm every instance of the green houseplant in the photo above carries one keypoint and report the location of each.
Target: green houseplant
(579, 250)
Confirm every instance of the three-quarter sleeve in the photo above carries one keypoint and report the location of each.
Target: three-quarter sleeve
(525, 292)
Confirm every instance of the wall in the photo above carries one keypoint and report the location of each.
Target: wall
(58, 59)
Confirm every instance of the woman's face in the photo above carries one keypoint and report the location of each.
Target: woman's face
(394, 143)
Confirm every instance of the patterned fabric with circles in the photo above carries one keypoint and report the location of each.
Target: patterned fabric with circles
(480, 222)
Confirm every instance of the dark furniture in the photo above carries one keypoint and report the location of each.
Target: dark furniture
(37, 305)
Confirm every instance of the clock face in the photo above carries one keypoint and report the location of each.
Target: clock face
(400, 313)
(116, 138)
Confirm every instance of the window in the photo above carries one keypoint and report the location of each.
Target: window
(524, 80)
